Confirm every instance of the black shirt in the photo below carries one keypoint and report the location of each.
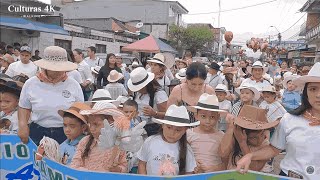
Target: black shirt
(103, 75)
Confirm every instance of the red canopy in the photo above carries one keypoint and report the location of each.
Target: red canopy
(149, 44)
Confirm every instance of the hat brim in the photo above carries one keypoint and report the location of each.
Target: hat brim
(156, 61)
(56, 66)
(135, 88)
(254, 90)
(106, 111)
(179, 77)
(114, 102)
(73, 112)
(94, 71)
(249, 69)
(194, 108)
(5, 88)
(179, 60)
(222, 90)
(115, 80)
(249, 125)
(162, 121)
(301, 81)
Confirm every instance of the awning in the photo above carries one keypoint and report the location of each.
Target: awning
(21, 23)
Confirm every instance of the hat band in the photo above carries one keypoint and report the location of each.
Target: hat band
(176, 119)
(139, 82)
(101, 99)
(257, 66)
(221, 90)
(207, 106)
(157, 60)
(182, 75)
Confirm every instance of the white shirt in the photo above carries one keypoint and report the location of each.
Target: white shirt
(159, 97)
(116, 90)
(85, 72)
(18, 67)
(225, 105)
(302, 143)
(155, 151)
(169, 74)
(258, 85)
(213, 80)
(13, 118)
(275, 110)
(75, 75)
(45, 99)
(95, 62)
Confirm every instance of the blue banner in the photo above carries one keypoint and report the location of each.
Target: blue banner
(18, 163)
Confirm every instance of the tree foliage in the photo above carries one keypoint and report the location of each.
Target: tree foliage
(194, 38)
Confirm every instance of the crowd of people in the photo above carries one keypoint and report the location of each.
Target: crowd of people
(156, 119)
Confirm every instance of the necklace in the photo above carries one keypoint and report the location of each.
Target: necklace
(314, 121)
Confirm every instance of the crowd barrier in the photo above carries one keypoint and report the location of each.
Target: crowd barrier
(17, 163)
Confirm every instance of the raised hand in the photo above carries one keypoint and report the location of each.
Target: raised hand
(107, 137)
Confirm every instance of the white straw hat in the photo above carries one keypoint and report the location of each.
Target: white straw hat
(114, 76)
(103, 95)
(313, 76)
(55, 59)
(251, 87)
(103, 107)
(181, 74)
(122, 99)
(158, 58)
(139, 78)
(222, 88)
(208, 102)
(257, 64)
(268, 89)
(176, 116)
(95, 69)
(289, 78)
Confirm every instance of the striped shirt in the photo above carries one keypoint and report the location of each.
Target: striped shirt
(275, 110)
(237, 107)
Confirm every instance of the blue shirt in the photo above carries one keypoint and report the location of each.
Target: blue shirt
(68, 148)
(291, 99)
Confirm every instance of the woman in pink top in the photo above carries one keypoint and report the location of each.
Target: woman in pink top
(205, 139)
(89, 156)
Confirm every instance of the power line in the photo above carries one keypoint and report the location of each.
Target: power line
(294, 23)
(227, 10)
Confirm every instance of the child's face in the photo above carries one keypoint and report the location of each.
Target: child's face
(256, 138)
(208, 119)
(95, 123)
(181, 65)
(73, 128)
(246, 95)
(155, 68)
(8, 102)
(221, 95)
(269, 97)
(173, 134)
(291, 86)
(130, 111)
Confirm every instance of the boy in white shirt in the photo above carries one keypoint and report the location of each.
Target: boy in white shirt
(23, 67)
(224, 104)
(115, 88)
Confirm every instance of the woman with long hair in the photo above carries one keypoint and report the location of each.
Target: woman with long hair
(106, 69)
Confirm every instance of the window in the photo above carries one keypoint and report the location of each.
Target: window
(101, 48)
(63, 43)
(171, 12)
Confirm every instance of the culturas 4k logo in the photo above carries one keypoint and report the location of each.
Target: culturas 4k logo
(26, 172)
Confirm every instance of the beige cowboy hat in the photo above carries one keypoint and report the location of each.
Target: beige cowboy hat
(75, 110)
(181, 74)
(222, 88)
(254, 118)
(103, 95)
(207, 102)
(95, 69)
(55, 58)
(289, 78)
(257, 64)
(139, 78)
(268, 89)
(114, 76)
(158, 58)
(251, 87)
(177, 116)
(104, 108)
(313, 76)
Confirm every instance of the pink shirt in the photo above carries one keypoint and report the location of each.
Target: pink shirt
(205, 148)
(98, 159)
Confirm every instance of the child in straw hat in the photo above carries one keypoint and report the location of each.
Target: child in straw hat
(115, 88)
(167, 153)
(246, 136)
(205, 139)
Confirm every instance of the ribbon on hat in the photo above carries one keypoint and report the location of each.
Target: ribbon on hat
(139, 82)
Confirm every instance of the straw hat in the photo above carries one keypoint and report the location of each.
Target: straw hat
(289, 78)
(251, 87)
(7, 58)
(182, 61)
(103, 95)
(230, 70)
(103, 107)
(181, 74)
(215, 66)
(254, 118)
(313, 76)
(177, 116)
(139, 78)
(208, 102)
(257, 64)
(75, 110)
(55, 59)
(222, 88)
(158, 58)
(95, 69)
(114, 76)
(122, 100)
(268, 89)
